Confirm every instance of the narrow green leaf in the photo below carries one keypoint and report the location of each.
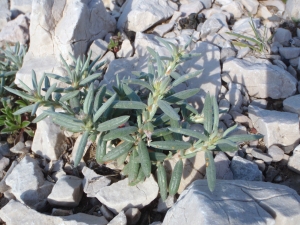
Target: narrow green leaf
(24, 110)
(88, 102)
(104, 107)
(162, 181)
(21, 94)
(176, 178)
(129, 105)
(39, 87)
(40, 117)
(229, 130)
(34, 109)
(210, 170)
(167, 109)
(144, 158)
(216, 114)
(134, 166)
(207, 111)
(113, 123)
(131, 94)
(81, 147)
(182, 95)
(157, 156)
(89, 79)
(69, 96)
(24, 86)
(115, 153)
(188, 132)
(34, 81)
(186, 77)
(25, 124)
(160, 132)
(120, 132)
(101, 148)
(170, 145)
(99, 98)
(139, 82)
(49, 91)
(244, 137)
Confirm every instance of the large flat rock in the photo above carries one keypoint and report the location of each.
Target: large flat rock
(261, 80)
(15, 213)
(235, 202)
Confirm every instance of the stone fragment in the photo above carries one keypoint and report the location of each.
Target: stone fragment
(285, 160)
(60, 27)
(190, 6)
(267, 122)
(20, 6)
(292, 104)
(243, 169)
(279, 63)
(218, 40)
(226, 53)
(292, 10)
(240, 202)
(263, 12)
(161, 30)
(240, 118)
(4, 149)
(133, 215)
(243, 52)
(222, 164)
(293, 161)
(276, 153)
(257, 153)
(16, 31)
(120, 219)
(61, 212)
(3, 186)
(3, 163)
(66, 192)
(120, 196)
(234, 96)
(93, 182)
(49, 140)
(163, 206)
(19, 148)
(98, 47)
(5, 14)
(28, 184)
(242, 26)
(293, 62)
(139, 15)
(126, 49)
(289, 52)
(250, 5)
(261, 103)
(271, 173)
(261, 164)
(234, 8)
(210, 26)
(15, 213)
(106, 213)
(261, 80)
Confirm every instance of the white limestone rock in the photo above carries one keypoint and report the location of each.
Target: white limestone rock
(250, 5)
(293, 161)
(210, 26)
(67, 192)
(20, 6)
(190, 6)
(15, 213)
(292, 10)
(235, 202)
(120, 196)
(15, 31)
(120, 219)
(126, 49)
(133, 215)
(139, 15)
(28, 184)
(276, 153)
(60, 27)
(289, 52)
(235, 8)
(98, 47)
(49, 140)
(261, 80)
(282, 36)
(280, 128)
(222, 164)
(5, 14)
(292, 104)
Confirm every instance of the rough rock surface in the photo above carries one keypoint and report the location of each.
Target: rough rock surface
(235, 202)
(28, 184)
(293, 163)
(139, 15)
(280, 128)
(49, 140)
(222, 164)
(120, 196)
(60, 27)
(15, 213)
(292, 104)
(66, 192)
(119, 219)
(244, 169)
(261, 80)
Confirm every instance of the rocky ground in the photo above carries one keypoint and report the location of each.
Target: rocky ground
(258, 87)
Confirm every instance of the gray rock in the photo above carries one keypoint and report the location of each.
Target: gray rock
(120, 219)
(292, 104)
(3, 163)
(285, 124)
(61, 212)
(120, 196)
(293, 161)
(19, 148)
(261, 164)
(209, 80)
(222, 163)
(28, 184)
(242, 26)
(289, 52)
(234, 8)
(106, 213)
(271, 173)
(139, 15)
(49, 140)
(133, 215)
(20, 6)
(190, 6)
(67, 27)
(16, 31)
(226, 53)
(218, 40)
(276, 153)
(261, 80)
(210, 26)
(279, 63)
(257, 153)
(98, 47)
(240, 118)
(163, 206)
(282, 36)
(250, 5)
(293, 62)
(292, 71)
(161, 30)
(93, 182)
(5, 14)
(4, 149)
(15, 213)
(243, 52)
(126, 49)
(234, 96)
(66, 192)
(261, 103)
(243, 169)
(3, 186)
(292, 10)
(235, 202)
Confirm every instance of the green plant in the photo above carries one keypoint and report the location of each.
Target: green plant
(14, 123)
(11, 60)
(154, 130)
(261, 41)
(115, 43)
